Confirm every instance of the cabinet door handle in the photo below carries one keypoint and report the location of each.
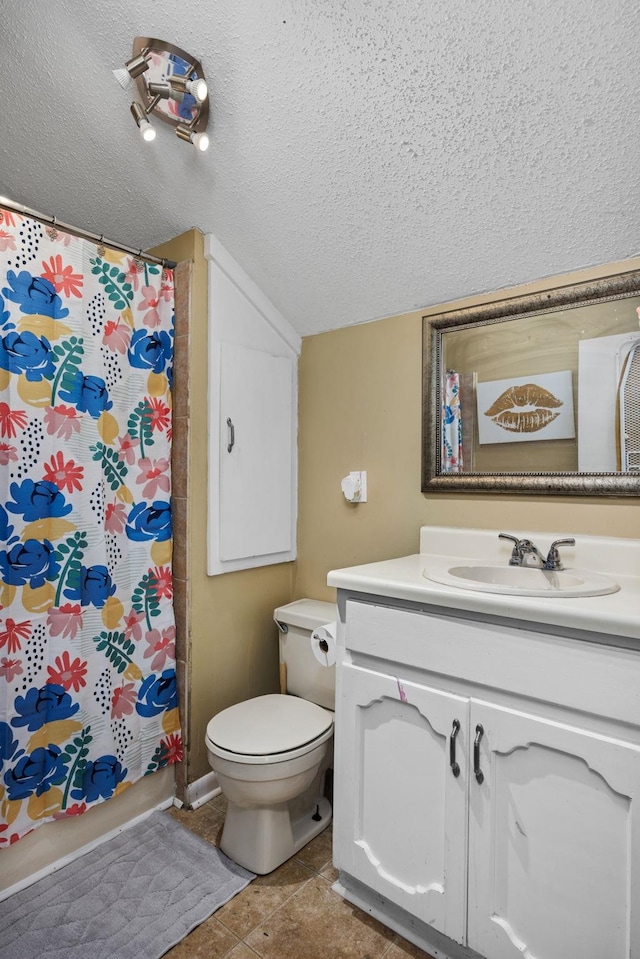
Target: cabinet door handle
(455, 768)
(476, 754)
(232, 435)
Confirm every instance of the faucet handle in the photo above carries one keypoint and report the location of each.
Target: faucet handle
(514, 539)
(516, 554)
(553, 560)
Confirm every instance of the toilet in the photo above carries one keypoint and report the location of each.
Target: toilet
(271, 753)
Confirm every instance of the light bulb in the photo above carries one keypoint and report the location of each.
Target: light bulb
(200, 141)
(123, 77)
(147, 132)
(198, 88)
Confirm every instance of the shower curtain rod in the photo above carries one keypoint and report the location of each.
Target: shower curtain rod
(57, 224)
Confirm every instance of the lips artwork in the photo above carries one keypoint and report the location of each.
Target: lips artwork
(524, 409)
(521, 409)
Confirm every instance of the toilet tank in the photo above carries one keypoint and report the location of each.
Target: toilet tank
(305, 675)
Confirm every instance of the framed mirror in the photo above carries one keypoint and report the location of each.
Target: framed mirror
(537, 393)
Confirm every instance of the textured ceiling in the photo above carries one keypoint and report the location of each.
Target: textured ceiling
(368, 157)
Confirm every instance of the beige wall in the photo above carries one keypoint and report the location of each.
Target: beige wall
(230, 642)
(360, 409)
(360, 392)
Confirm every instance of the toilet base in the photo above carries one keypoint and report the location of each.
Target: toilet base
(261, 839)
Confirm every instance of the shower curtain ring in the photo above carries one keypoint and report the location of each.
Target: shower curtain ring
(138, 260)
(52, 232)
(101, 249)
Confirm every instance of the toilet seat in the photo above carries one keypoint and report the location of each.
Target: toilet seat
(268, 729)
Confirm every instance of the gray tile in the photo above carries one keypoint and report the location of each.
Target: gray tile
(206, 821)
(317, 854)
(402, 949)
(210, 940)
(180, 377)
(241, 951)
(261, 897)
(182, 304)
(330, 873)
(316, 923)
(220, 802)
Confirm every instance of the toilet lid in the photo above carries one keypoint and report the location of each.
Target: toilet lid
(268, 724)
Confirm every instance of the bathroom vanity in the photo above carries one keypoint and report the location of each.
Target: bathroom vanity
(487, 787)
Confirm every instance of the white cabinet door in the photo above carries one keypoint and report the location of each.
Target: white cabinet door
(554, 840)
(257, 495)
(402, 813)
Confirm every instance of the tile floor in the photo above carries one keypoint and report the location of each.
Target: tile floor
(290, 914)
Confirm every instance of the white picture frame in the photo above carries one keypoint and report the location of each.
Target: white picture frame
(525, 409)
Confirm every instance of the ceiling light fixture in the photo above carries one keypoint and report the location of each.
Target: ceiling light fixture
(171, 87)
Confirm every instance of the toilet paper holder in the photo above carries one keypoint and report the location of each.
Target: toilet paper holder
(323, 644)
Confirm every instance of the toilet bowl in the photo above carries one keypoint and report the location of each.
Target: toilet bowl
(267, 752)
(270, 753)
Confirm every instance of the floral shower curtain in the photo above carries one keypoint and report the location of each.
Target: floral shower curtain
(88, 701)
(451, 453)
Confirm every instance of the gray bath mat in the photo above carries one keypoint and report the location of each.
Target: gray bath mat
(134, 897)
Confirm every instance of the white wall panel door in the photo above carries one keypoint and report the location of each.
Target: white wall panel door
(402, 809)
(554, 849)
(253, 364)
(256, 453)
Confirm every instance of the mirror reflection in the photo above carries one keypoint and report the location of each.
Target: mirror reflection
(547, 384)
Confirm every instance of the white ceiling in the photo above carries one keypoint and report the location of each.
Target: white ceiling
(368, 157)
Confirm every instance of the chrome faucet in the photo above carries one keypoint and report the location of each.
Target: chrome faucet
(526, 553)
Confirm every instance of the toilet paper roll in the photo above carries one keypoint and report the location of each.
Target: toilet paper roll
(323, 644)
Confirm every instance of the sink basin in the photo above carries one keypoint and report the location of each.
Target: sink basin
(524, 580)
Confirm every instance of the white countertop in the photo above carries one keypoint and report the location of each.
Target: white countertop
(616, 614)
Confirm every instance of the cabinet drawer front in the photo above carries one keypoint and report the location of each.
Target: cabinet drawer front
(602, 680)
(400, 811)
